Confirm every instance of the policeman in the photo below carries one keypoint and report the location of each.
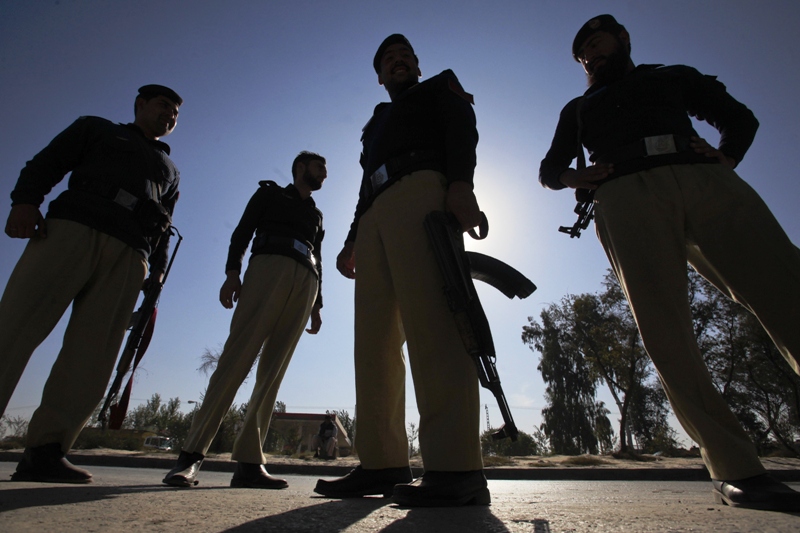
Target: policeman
(281, 289)
(418, 156)
(91, 251)
(663, 197)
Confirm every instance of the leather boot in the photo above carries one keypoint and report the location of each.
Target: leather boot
(255, 476)
(47, 464)
(762, 492)
(186, 469)
(362, 482)
(444, 489)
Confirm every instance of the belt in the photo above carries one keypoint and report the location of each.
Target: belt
(118, 196)
(646, 147)
(266, 242)
(397, 167)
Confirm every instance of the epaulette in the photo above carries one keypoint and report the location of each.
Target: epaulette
(455, 86)
(269, 184)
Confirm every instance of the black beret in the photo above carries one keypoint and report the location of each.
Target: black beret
(395, 38)
(605, 23)
(149, 91)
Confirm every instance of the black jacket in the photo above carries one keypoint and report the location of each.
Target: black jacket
(432, 117)
(649, 101)
(275, 211)
(104, 158)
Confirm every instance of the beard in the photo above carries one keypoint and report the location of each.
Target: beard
(615, 67)
(313, 183)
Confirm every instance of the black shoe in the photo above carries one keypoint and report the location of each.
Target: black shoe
(362, 482)
(47, 464)
(444, 489)
(186, 469)
(255, 476)
(762, 492)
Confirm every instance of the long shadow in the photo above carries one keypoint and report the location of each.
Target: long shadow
(477, 518)
(13, 499)
(330, 516)
(338, 515)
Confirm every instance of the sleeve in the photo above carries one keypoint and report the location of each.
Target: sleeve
(563, 148)
(318, 255)
(361, 205)
(48, 167)
(461, 132)
(708, 99)
(160, 257)
(244, 230)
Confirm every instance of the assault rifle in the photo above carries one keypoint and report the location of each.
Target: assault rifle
(585, 211)
(141, 326)
(458, 268)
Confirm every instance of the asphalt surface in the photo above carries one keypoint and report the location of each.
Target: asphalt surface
(133, 499)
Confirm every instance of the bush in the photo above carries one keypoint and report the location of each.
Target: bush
(524, 445)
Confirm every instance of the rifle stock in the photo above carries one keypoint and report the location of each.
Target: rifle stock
(458, 267)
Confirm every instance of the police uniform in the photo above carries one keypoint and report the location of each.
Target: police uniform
(100, 234)
(412, 148)
(280, 286)
(665, 205)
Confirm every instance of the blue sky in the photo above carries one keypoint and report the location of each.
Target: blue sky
(264, 80)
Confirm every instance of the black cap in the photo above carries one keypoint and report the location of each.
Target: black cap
(395, 38)
(149, 91)
(605, 23)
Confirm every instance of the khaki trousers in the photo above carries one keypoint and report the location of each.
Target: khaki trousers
(650, 224)
(101, 276)
(273, 309)
(399, 298)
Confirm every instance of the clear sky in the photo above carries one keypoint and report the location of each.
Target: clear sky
(263, 80)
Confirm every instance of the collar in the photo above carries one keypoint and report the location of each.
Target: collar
(292, 191)
(164, 147)
(637, 69)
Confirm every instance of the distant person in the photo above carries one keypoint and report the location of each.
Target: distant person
(324, 442)
(91, 251)
(663, 196)
(418, 156)
(281, 289)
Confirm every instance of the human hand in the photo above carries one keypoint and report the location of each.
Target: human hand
(25, 221)
(346, 260)
(586, 178)
(316, 320)
(230, 290)
(461, 201)
(701, 146)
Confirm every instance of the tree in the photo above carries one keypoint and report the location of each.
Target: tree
(570, 391)
(229, 429)
(347, 422)
(412, 433)
(14, 426)
(594, 338)
(756, 381)
(210, 358)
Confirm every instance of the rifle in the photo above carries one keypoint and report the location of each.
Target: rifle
(585, 211)
(458, 268)
(141, 327)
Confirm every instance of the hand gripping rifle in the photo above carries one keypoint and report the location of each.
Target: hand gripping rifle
(458, 268)
(585, 211)
(141, 326)
(585, 197)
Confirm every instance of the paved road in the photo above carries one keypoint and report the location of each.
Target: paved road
(132, 499)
